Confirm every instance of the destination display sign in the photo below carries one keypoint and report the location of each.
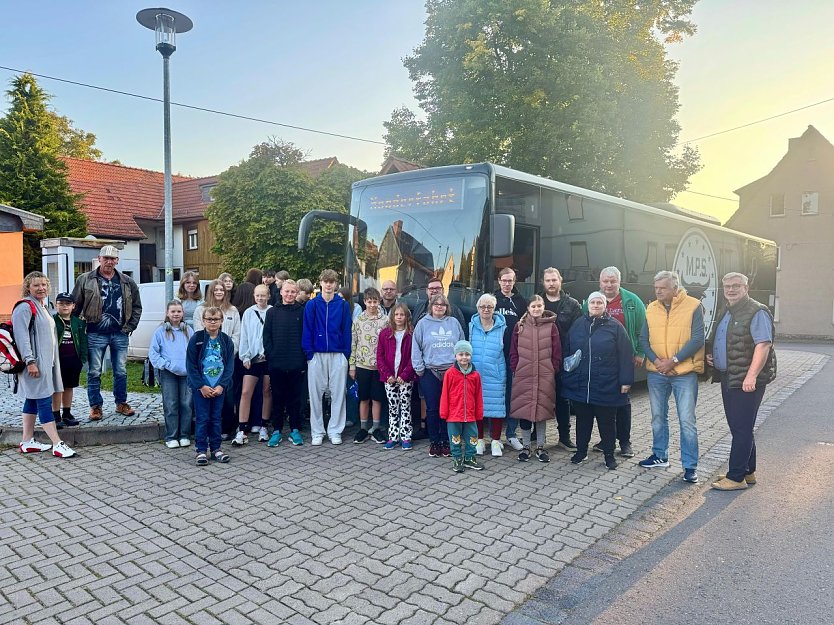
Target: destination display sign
(444, 194)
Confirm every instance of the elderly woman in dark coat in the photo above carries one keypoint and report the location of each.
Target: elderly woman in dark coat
(37, 342)
(602, 379)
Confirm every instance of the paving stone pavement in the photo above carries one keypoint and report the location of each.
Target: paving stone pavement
(349, 534)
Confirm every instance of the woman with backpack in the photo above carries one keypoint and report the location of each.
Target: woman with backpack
(37, 342)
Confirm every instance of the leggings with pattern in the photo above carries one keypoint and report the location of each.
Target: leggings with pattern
(399, 411)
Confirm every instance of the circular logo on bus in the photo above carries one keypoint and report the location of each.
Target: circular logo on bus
(698, 270)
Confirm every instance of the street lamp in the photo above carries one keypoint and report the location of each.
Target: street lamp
(167, 24)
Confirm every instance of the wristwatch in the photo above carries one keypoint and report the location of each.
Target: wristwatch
(675, 359)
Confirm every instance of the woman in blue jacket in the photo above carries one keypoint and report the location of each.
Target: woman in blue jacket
(602, 379)
(486, 333)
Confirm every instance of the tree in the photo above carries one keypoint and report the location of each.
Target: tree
(74, 142)
(32, 177)
(575, 90)
(258, 204)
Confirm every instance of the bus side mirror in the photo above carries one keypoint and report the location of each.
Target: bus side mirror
(502, 235)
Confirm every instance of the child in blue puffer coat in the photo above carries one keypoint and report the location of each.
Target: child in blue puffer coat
(167, 355)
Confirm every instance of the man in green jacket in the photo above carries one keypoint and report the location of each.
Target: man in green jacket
(630, 311)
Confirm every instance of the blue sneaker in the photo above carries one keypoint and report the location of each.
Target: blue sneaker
(406, 445)
(653, 462)
(295, 438)
(390, 444)
(690, 475)
(274, 439)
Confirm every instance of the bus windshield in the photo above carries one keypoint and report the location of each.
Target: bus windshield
(419, 229)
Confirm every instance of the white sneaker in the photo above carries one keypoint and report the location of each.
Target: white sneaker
(32, 446)
(263, 436)
(497, 448)
(240, 439)
(317, 441)
(336, 439)
(515, 443)
(62, 450)
(172, 444)
(184, 442)
(479, 447)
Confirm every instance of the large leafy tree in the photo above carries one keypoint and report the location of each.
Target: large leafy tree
(74, 141)
(258, 204)
(576, 90)
(32, 176)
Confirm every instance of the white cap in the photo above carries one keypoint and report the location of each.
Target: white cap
(109, 250)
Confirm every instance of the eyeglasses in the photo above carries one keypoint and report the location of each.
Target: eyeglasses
(507, 280)
(440, 305)
(389, 288)
(434, 288)
(213, 319)
(486, 307)
(733, 287)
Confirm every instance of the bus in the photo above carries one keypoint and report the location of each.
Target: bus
(464, 223)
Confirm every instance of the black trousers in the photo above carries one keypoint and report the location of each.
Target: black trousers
(562, 412)
(741, 409)
(606, 424)
(623, 424)
(287, 393)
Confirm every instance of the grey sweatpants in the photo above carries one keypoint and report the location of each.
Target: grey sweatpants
(327, 371)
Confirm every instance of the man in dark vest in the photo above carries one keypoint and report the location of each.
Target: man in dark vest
(743, 357)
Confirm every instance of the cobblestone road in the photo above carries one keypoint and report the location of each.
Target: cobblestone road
(350, 534)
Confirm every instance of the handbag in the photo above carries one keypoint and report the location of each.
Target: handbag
(572, 362)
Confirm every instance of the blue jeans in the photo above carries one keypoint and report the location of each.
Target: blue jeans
(462, 438)
(685, 389)
(209, 416)
(41, 407)
(176, 405)
(96, 345)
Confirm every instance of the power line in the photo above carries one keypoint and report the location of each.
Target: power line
(717, 197)
(758, 121)
(197, 108)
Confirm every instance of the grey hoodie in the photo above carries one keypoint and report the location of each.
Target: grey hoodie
(433, 343)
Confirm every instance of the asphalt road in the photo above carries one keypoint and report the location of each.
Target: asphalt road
(764, 555)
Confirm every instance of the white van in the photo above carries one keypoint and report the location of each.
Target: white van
(153, 313)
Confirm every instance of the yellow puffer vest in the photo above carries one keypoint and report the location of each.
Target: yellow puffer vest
(668, 333)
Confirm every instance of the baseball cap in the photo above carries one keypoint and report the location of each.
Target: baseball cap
(109, 250)
(65, 297)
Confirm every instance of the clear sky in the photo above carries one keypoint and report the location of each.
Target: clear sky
(337, 66)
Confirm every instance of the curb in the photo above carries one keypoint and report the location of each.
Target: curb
(99, 435)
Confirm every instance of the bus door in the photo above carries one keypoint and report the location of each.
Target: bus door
(524, 261)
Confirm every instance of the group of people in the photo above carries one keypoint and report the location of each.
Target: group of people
(237, 358)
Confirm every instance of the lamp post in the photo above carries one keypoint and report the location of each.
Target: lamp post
(167, 24)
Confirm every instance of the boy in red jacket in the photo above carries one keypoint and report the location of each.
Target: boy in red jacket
(462, 406)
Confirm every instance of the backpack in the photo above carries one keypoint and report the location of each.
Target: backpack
(11, 362)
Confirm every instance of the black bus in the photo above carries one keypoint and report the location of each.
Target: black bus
(464, 223)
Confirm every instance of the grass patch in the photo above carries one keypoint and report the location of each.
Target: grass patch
(134, 379)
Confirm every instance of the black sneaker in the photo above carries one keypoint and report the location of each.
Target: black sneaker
(434, 450)
(566, 444)
(472, 463)
(457, 466)
(445, 449)
(653, 462)
(597, 447)
(361, 436)
(690, 475)
(378, 436)
(626, 451)
(578, 458)
(542, 455)
(524, 456)
(610, 463)
(70, 421)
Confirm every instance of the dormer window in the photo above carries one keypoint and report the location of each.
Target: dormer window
(205, 192)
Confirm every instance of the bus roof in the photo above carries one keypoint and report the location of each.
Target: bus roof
(493, 170)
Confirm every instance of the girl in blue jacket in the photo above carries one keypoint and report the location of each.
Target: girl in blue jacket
(601, 381)
(167, 355)
(487, 334)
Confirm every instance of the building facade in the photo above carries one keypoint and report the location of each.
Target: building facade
(794, 206)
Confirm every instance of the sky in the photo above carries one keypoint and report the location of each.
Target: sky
(337, 66)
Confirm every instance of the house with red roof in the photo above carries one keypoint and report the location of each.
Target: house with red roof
(124, 206)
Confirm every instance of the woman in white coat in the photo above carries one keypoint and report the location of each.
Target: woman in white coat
(34, 333)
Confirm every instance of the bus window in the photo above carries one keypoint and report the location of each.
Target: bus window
(523, 261)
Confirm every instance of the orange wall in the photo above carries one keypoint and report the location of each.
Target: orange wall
(11, 270)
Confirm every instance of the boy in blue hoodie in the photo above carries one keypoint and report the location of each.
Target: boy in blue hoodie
(326, 341)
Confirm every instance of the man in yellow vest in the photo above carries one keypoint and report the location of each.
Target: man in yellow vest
(673, 340)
